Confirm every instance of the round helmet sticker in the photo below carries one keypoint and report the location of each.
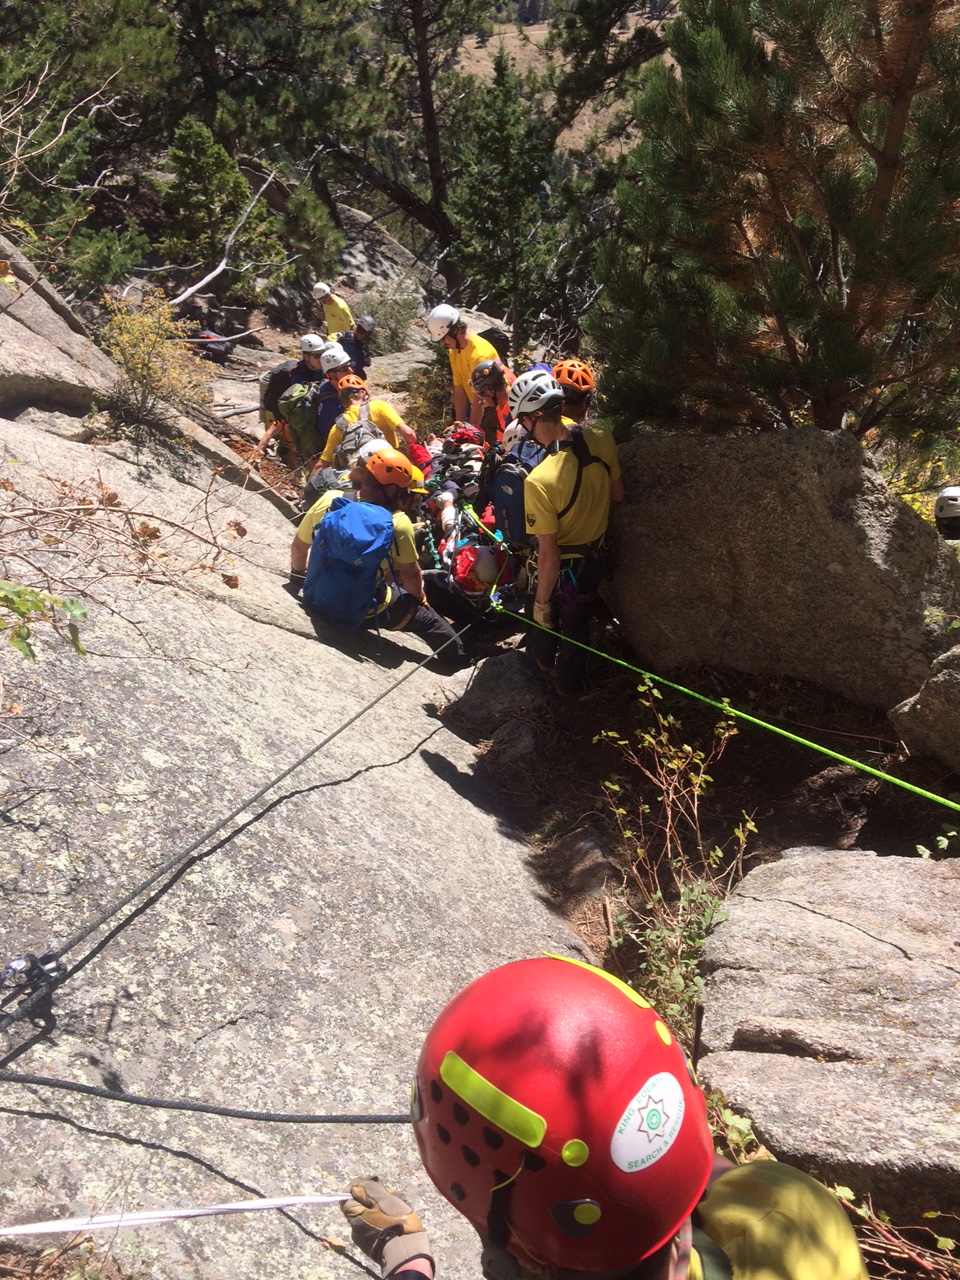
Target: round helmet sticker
(650, 1124)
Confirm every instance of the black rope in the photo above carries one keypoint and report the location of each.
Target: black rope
(180, 1104)
(47, 988)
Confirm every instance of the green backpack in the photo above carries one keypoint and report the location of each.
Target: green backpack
(299, 406)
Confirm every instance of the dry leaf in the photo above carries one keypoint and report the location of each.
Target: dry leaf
(230, 579)
(6, 484)
(148, 532)
(109, 499)
(236, 528)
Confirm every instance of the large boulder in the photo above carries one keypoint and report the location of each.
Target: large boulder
(929, 722)
(832, 1015)
(780, 555)
(46, 357)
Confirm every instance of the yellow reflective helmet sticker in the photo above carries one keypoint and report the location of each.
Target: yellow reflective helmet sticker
(607, 977)
(587, 1214)
(492, 1103)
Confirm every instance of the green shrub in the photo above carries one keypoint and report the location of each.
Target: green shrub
(394, 307)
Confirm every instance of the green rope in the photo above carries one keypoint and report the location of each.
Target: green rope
(727, 709)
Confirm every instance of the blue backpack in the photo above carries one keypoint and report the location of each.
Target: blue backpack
(506, 491)
(344, 569)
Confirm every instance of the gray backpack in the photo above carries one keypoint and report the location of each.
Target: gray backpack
(355, 436)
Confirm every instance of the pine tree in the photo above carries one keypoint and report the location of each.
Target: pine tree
(500, 201)
(788, 250)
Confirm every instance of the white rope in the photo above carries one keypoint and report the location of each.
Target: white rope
(156, 1217)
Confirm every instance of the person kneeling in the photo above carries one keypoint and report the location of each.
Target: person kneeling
(358, 559)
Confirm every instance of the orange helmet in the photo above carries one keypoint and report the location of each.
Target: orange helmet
(389, 466)
(574, 374)
(351, 380)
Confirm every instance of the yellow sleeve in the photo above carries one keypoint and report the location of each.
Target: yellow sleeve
(404, 550)
(775, 1223)
(307, 526)
(541, 515)
(385, 416)
(602, 445)
(334, 441)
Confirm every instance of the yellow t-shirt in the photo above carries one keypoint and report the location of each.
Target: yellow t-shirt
(382, 415)
(549, 487)
(403, 550)
(463, 363)
(775, 1223)
(337, 315)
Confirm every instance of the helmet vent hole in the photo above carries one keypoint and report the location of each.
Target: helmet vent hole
(470, 1156)
(443, 1134)
(436, 1093)
(533, 1164)
(457, 1191)
(460, 1114)
(493, 1139)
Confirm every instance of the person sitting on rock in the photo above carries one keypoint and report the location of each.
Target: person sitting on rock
(398, 602)
(336, 313)
(465, 351)
(555, 1110)
(354, 342)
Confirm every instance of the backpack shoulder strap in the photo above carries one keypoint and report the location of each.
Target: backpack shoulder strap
(581, 451)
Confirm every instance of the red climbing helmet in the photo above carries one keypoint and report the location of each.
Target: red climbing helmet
(556, 1111)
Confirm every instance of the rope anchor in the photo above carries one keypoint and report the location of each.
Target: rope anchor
(30, 976)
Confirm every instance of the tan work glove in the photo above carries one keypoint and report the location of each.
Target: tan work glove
(543, 613)
(384, 1227)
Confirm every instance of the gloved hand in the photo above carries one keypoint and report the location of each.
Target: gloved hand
(384, 1227)
(543, 613)
(295, 583)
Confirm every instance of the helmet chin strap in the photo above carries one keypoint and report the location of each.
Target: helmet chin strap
(496, 1262)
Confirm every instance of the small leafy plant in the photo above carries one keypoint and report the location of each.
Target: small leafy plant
(21, 608)
(675, 881)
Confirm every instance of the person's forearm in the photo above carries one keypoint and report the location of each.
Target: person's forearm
(548, 571)
(299, 551)
(461, 405)
(476, 412)
(411, 578)
(406, 433)
(268, 435)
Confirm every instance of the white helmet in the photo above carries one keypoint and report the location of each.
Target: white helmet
(513, 433)
(947, 512)
(441, 320)
(312, 344)
(321, 290)
(333, 358)
(367, 450)
(533, 392)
